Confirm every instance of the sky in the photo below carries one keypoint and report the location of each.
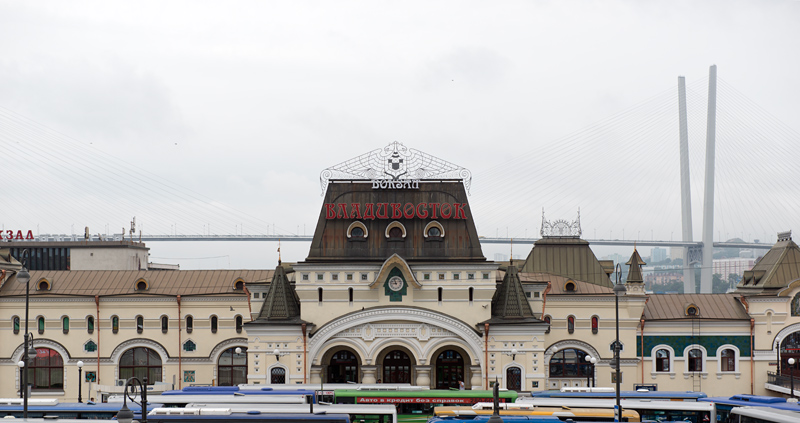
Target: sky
(218, 117)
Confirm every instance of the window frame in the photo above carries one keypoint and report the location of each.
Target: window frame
(570, 324)
(214, 323)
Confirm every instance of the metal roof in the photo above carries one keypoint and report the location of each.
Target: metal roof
(777, 269)
(124, 282)
(567, 257)
(709, 306)
(558, 284)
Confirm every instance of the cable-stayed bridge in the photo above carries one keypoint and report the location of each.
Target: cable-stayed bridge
(636, 171)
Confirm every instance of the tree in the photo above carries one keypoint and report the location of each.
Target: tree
(719, 285)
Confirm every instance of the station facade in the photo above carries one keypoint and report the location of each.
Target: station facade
(396, 289)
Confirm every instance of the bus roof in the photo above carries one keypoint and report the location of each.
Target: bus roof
(768, 414)
(673, 395)
(431, 393)
(233, 390)
(754, 400)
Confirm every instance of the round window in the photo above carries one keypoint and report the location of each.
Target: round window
(434, 232)
(692, 311)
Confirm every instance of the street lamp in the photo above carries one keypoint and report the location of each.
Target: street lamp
(24, 277)
(80, 367)
(125, 415)
(278, 354)
(590, 373)
(791, 375)
(619, 290)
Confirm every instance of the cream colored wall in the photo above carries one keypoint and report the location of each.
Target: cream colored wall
(95, 258)
(773, 321)
(71, 344)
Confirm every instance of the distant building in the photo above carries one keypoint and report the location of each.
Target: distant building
(735, 266)
(658, 255)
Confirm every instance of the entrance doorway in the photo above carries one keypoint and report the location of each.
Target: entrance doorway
(790, 348)
(449, 370)
(343, 367)
(396, 367)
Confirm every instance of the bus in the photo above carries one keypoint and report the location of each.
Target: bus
(604, 392)
(41, 407)
(226, 415)
(418, 405)
(751, 414)
(724, 405)
(648, 409)
(521, 409)
(358, 413)
(514, 419)
(232, 395)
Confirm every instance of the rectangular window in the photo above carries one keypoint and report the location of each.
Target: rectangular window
(363, 276)
(456, 276)
(319, 276)
(536, 294)
(305, 276)
(470, 276)
(441, 276)
(426, 276)
(335, 276)
(255, 295)
(349, 276)
(528, 294)
(486, 276)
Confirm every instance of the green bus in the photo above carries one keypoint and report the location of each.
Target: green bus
(417, 405)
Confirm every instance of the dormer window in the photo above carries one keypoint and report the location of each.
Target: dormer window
(142, 285)
(396, 231)
(238, 285)
(43, 285)
(357, 232)
(570, 286)
(692, 310)
(434, 231)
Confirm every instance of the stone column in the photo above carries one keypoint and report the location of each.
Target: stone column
(476, 379)
(423, 375)
(316, 375)
(368, 374)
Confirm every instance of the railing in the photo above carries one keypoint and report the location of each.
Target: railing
(782, 380)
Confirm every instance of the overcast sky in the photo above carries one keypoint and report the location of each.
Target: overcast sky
(244, 103)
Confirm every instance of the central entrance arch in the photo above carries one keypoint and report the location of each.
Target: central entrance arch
(397, 364)
(449, 368)
(342, 366)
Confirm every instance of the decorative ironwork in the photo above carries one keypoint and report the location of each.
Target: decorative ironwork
(395, 162)
(561, 228)
(695, 255)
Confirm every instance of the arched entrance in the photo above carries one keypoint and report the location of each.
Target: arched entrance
(140, 362)
(396, 367)
(790, 348)
(514, 378)
(232, 367)
(343, 367)
(571, 363)
(449, 369)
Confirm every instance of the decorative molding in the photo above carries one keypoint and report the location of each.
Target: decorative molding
(370, 331)
(395, 162)
(139, 342)
(561, 228)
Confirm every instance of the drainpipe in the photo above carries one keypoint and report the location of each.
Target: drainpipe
(97, 327)
(180, 349)
(752, 328)
(249, 306)
(544, 296)
(642, 347)
(486, 353)
(305, 352)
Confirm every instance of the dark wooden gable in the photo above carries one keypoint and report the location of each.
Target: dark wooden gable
(460, 240)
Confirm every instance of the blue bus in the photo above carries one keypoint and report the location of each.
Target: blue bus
(726, 404)
(610, 393)
(69, 410)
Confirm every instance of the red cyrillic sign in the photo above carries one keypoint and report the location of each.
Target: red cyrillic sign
(372, 211)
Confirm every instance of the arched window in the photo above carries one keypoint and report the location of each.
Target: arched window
(90, 324)
(189, 324)
(15, 322)
(141, 285)
(47, 370)
(139, 324)
(547, 320)
(40, 324)
(570, 362)
(140, 362)
(164, 324)
(343, 367)
(434, 231)
(115, 324)
(449, 370)
(238, 286)
(232, 367)
(570, 286)
(440, 294)
(238, 324)
(350, 295)
(396, 367)
(728, 360)
(471, 294)
(662, 360)
(214, 324)
(43, 285)
(695, 360)
(571, 324)
(319, 295)
(514, 378)
(357, 232)
(65, 324)
(795, 307)
(595, 324)
(278, 374)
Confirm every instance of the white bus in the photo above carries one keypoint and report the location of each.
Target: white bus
(653, 410)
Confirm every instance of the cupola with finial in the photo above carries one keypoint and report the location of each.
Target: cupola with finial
(635, 281)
